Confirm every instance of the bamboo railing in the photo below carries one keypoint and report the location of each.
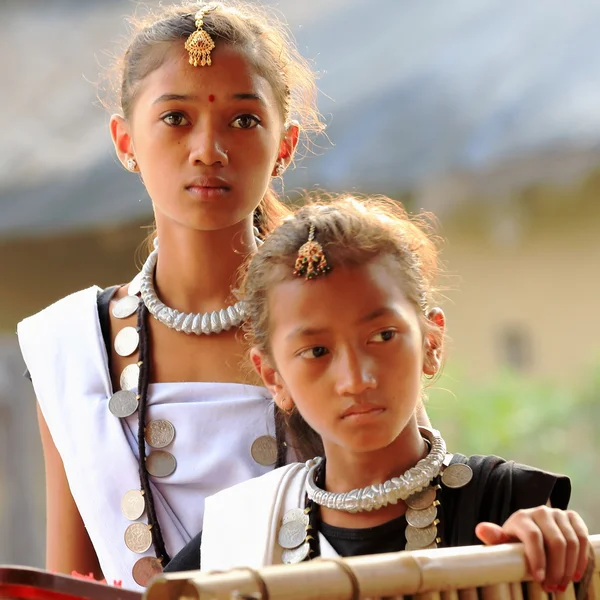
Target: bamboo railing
(466, 573)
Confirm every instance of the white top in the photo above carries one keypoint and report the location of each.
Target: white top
(242, 523)
(215, 424)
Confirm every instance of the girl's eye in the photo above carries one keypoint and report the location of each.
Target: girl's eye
(245, 122)
(384, 336)
(175, 119)
(316, 352)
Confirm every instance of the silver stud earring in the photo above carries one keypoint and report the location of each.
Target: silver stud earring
(131, 164)
(280, 168)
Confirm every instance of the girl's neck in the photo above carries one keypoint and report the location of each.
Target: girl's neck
(347, 471)
(197, 270)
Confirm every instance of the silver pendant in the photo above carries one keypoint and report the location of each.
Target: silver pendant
(264, 450)
(292, 534)
(457, 475)
(125, 307)
(130, 377)
(422, 499)
(295, 514)
(160, 463)
(127, 341)
(133, 505)
(123, 404)
(138, 537)
(421, 518)
(419, 537)
(295, 555)
(159, 433)
(145, 569)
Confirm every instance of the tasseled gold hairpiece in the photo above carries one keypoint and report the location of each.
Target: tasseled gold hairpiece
(311, 261)
(200, 44)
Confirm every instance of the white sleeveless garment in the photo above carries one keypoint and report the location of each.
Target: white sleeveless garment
(215, 423)
(242, 523)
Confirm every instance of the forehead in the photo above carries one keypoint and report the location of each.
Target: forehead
(231, 72)
(345, 295)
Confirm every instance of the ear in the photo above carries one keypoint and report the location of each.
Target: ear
(434, 339)
(271, 379)
(121, 137)
(287, 147)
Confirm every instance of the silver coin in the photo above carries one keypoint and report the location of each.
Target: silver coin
(135, 285)
(160, 463)
(457, 475)
(145, 569)
(422, 499)
(127, 341)
(123, 404)
(264, 450)
(292, 534)
(159, 433)
(295, 555)
(419, 537)
(421, 518)
(138, 537)
(125, 307)
(130, 377)
(410, 547)
(295, 514)
(133, 505)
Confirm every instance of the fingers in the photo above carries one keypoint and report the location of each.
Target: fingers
(522, 526)
(582, 533)
(491, 534)
(555, 544)
(559, 540)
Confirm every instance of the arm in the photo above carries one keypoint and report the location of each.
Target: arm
(68, 546)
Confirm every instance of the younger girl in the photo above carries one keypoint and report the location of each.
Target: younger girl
(340, 307)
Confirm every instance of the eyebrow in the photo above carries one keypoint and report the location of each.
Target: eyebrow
(191, 98)
(384, 311)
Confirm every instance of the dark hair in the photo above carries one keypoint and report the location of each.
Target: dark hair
(269, 46)
(353, 232)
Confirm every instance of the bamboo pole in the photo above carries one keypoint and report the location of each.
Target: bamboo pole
(425, 573)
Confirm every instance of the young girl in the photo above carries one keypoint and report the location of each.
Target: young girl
(146, 402)
(340, 303)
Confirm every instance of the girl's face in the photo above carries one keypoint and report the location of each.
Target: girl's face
(206, 139)
(348, 351)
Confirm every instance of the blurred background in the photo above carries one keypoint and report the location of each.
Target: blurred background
(486, 112)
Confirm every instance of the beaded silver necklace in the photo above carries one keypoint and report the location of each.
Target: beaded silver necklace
(187, 322)
(374, 497)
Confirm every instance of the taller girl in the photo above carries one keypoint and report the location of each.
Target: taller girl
(145, 403)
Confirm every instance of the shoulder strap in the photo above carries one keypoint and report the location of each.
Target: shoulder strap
(103, 301)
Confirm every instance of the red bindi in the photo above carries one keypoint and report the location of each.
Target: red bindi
(211, 98)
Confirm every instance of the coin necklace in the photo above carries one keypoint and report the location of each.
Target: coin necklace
(299, 532)
(157, 434)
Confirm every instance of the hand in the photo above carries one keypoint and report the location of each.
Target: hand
(556, 543)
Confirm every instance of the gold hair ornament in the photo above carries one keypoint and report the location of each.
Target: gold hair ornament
(200, 44)
(311, 261)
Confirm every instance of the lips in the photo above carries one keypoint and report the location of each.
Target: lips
(208, 187)
(357, 410)
(208, 183)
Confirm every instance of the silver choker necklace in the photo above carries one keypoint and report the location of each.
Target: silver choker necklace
(188, 322)
(374, 497)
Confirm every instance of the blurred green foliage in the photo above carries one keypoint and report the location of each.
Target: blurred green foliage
(549, 426)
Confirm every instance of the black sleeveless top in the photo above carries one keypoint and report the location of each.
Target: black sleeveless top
(498, 489)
